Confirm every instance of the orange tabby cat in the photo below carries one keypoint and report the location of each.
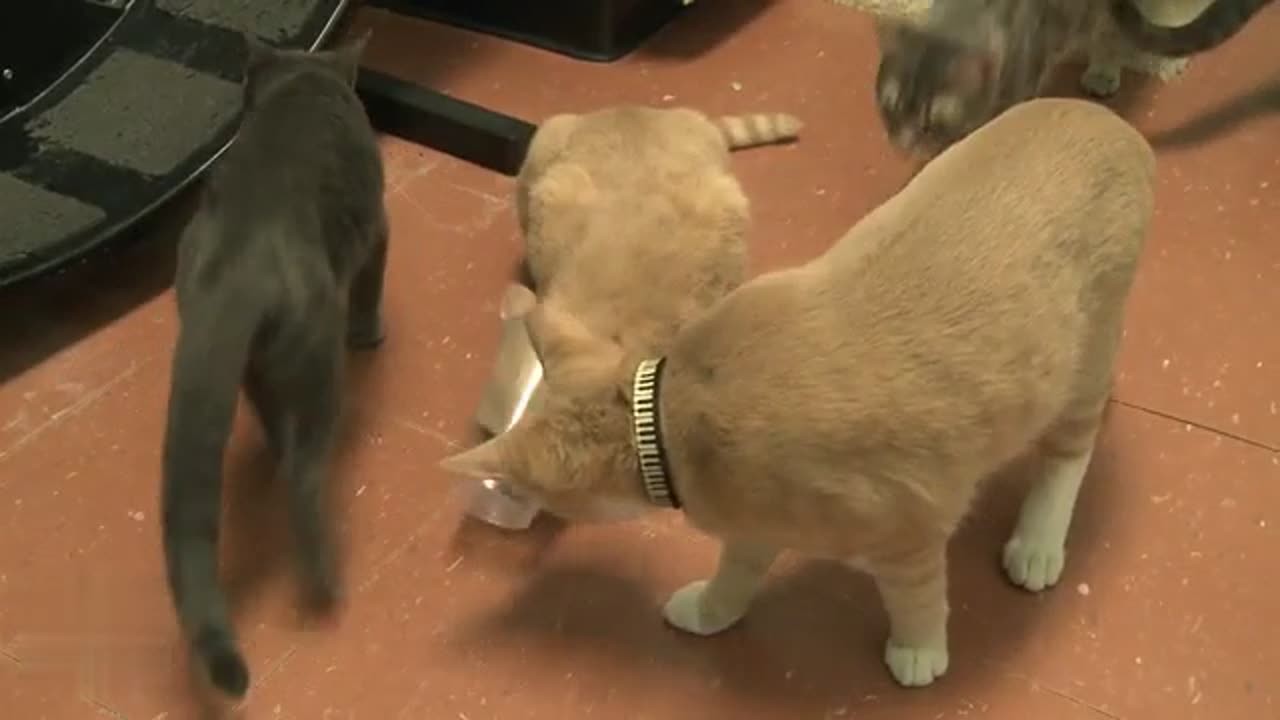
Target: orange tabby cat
(633, 223)
(851, 407)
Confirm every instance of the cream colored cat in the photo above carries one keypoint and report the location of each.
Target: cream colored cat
(633, 223)
(851, 407)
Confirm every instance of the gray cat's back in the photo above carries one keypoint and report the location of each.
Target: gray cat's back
(285, 206)
(307, 153)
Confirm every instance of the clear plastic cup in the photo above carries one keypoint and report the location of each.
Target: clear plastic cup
(511, 392)
(494, 503)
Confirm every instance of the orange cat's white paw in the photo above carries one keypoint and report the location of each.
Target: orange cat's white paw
(916, 666)
(689, 610)
(1034, 563)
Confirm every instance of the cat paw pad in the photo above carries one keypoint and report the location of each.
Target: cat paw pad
(688, 610)
(1101, 82)
(916, 666)
(1033, 564)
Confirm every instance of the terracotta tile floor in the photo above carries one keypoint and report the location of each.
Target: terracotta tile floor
(1168, 609)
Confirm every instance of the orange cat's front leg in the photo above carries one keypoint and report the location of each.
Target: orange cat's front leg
(913, 588)
(707, 607)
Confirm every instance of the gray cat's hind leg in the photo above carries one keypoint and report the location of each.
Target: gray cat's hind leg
(364, 319)
(268, 406)
(316, 392)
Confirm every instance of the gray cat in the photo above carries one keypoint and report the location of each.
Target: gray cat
(281, 264)
(972, 59)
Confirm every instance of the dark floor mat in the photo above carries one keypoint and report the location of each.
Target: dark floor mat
(132, 122)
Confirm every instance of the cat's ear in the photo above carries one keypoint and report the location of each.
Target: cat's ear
(517, 301)
(257, 54)
(567, 350)
(347, 55)
(482, 462)
(554, 334)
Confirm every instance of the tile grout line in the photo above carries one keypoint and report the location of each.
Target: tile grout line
(423, 169)
(376, 568)
(276, 667)
(279, 665)
(104, 709)
(1082, 703)
(1200, 426)
(75, 408)
(449, 443)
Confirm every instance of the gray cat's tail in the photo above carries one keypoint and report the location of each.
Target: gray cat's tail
(1216, 24)
(208, 365)
(743, 131)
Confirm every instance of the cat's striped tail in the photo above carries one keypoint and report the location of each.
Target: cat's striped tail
(743, 131)
(1216, 24)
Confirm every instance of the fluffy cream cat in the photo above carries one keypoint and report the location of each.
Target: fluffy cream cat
(633, 224)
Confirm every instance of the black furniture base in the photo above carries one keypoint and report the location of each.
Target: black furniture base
(600, 30)
(466, 131)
